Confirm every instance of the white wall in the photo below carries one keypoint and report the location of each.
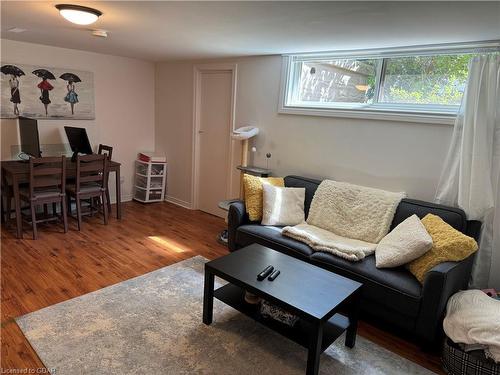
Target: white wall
(173, 132)
(392, 155)
(124, 103)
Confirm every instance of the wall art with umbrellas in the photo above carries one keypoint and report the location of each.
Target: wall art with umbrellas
(46, 93)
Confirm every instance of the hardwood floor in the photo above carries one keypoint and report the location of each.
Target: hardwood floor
(58, 266)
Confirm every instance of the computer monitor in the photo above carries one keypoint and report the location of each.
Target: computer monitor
(30, 140)
(78, 141)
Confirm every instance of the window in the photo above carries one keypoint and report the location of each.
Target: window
(425, 80)
(336, 81)
(416, 86)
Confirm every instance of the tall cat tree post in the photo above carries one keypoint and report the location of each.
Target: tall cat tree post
(244, 134)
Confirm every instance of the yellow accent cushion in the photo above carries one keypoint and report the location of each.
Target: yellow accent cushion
(449, 244)
(253, 193)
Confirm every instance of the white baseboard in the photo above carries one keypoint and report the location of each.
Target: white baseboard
(179, 202)
(125, 198)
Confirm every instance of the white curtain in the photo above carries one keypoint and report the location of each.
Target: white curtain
(471, 173)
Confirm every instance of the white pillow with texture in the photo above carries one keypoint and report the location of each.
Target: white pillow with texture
(407, 242)
(282, 206)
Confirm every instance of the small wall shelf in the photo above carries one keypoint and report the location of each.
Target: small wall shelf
(150, 181)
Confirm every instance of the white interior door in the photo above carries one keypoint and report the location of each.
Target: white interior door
(214, 127)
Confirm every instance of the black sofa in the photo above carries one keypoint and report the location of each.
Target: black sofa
(392, 298)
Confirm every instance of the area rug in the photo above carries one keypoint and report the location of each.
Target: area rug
(152, 324)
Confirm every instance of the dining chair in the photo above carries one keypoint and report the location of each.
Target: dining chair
(106, 150)
(91, 182)
(6, 195)
(47, 185)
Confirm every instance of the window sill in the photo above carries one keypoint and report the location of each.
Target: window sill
(372, 114)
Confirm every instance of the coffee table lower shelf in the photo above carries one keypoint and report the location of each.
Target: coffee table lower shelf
(233, 296)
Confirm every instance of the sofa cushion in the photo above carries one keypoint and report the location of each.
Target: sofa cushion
(407, 207)
(308, 183)
(393, 286)
(271, 236)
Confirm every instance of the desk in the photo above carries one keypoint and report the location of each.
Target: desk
(17, 172)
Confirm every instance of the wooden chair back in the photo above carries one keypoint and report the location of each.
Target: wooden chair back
(92, 169)
(47, 173)
(105, 150)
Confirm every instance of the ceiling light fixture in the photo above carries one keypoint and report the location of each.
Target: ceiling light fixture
(79, 14)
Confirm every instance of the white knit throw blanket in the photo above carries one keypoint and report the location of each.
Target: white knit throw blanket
(472, 317)
(347, 220)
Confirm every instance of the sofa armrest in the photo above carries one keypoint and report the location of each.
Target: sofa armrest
(237, 216)
(440, 283)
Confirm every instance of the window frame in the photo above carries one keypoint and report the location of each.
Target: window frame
(426, 113)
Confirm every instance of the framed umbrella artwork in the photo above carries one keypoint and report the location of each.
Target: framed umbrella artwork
(46, 93)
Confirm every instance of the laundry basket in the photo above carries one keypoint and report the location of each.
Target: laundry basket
(458, 362)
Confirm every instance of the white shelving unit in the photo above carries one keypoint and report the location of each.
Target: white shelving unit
(150, 181)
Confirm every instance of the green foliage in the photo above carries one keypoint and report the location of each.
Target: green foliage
(426, 79)
(429, 65)
(436, 95)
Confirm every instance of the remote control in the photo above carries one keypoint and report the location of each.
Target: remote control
(274, 275)
(265, 273)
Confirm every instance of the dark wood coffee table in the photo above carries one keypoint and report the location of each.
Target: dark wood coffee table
(312, 293)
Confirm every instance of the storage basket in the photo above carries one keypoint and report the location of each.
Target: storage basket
(458, 362)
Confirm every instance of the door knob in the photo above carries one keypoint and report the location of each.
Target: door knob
(200, 132)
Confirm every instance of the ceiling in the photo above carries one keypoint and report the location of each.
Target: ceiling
(160, 30)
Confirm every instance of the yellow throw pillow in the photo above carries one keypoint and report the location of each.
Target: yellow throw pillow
(253, 193)
(448, 245)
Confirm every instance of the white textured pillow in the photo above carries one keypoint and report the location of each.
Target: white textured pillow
(282, 206)
(407, 242)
